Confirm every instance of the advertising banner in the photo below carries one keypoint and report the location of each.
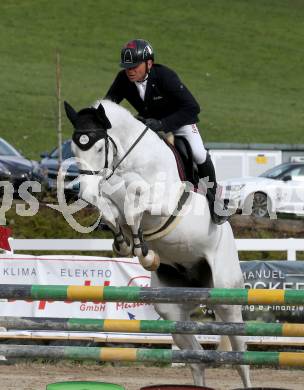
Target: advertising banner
(89, 270)
(274, 275)
(76, 270)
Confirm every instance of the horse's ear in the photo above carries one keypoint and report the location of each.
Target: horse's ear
(71, 113)
(101, 115)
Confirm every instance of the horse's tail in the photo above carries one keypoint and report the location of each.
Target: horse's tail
(224, 344)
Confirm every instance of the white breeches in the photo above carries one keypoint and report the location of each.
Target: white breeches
(192, 135)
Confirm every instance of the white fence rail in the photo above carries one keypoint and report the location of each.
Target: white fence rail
(60, 244)
(290, 245)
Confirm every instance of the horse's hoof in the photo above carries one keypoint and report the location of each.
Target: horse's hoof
(124, 249)
(150, 262)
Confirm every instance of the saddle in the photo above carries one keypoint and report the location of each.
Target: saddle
(186, 166)
(188, 171)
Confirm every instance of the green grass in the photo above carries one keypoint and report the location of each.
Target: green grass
(241, 58)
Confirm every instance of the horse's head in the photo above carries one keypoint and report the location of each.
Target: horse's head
(90, 141)
(90, 125)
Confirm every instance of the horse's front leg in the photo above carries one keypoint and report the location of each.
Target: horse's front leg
(121, 245)
(147, 257)
(137, 202)
(111, 216)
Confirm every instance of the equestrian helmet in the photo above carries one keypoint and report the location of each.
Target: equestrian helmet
(135, 52)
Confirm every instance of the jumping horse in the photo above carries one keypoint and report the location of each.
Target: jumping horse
(129, 173)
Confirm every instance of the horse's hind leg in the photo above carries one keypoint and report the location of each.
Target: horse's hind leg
(226, 273)
(190, 342)
(176, 312)
(234, 314)
(168, 276)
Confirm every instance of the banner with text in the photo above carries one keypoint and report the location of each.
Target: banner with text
(76, 270)
(274, 275)
(89, 270)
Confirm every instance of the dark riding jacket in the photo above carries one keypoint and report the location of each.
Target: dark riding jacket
(166, 98)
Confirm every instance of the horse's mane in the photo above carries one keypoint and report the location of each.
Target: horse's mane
(117, 115)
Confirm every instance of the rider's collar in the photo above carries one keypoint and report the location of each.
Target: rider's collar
(86, 139)
(144, 80)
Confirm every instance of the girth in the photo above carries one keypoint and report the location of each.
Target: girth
(170, 223)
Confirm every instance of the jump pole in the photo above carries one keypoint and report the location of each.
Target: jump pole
(288, 359)
(212, 296)
(153, 326)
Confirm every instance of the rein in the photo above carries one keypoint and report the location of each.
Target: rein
(128, 152)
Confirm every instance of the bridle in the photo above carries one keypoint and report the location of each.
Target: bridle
(108, 139)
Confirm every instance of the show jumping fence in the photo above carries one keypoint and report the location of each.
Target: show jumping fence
(147, 294)
(207, 296)
(155, 326)
(106, 354)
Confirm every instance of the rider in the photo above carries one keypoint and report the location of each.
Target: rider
(163, 102)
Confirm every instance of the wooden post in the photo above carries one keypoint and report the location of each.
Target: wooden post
(59, 123)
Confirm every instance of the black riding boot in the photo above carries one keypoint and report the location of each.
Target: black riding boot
(207, 170)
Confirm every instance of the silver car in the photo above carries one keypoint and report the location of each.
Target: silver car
(50, 166)
(15, 168)
(278, 190)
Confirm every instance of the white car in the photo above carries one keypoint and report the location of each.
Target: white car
(278, 190)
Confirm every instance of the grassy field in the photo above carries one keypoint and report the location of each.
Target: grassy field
(241, 59)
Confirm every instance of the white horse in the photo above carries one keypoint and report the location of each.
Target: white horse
(129, 173)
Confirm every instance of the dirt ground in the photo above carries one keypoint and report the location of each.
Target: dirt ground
(34, 376)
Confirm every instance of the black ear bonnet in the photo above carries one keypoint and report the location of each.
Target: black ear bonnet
(90, 126)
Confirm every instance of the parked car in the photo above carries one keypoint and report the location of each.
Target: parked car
(15, 168)
(50, 166)
(278, 190)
